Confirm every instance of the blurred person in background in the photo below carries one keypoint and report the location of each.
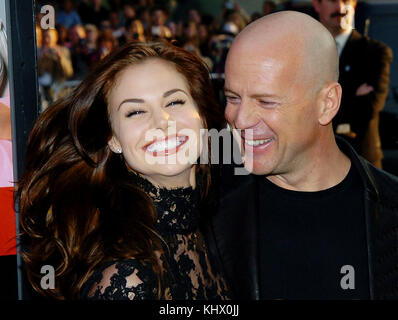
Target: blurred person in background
(92, 35)
(129, 13)
(77, 44)
(220, 44)
(232, 12)
(175, 30)
(191, 35)
(144, 14)
(67, 16)
(191, 42)
(364, 76)
(159, 30)
(62, 35)
(194, 16)
(54, 64)
(135, 31)
(106, 43)
(118, 28)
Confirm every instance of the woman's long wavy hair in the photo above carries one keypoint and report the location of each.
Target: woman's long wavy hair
(77, 206)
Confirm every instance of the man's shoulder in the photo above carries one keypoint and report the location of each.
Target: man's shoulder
(370, 45)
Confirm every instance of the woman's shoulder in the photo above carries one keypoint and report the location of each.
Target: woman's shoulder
(128, 279)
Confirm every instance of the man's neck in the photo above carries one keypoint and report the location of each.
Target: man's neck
(324, 168)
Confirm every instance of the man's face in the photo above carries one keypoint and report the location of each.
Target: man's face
(267, 97)
(336, 15)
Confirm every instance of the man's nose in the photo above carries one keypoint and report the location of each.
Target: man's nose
(245, 116)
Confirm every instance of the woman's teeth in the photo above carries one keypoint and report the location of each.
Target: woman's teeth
(160, 146)
(257, 142)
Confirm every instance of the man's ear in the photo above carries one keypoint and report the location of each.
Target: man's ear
(316, 5)
(114, 145)
(329, 103)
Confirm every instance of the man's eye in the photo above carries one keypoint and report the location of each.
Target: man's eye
(233, 100)
(134, 113)
(267, 104)
(175, 102)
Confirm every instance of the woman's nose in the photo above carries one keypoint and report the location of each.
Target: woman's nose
(162, 119)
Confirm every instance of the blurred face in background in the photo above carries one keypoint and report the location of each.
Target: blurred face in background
(50, 38)
(194, 16)
(75, 34)
(128, 11)
(203, 33)
(114, 19)
(336, 15)
(190, 31)
(92, 34)
(158, 18)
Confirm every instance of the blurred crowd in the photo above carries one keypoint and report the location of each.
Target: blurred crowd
(87, 30)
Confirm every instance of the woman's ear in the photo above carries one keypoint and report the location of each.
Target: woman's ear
(330, 97)
(114, 145)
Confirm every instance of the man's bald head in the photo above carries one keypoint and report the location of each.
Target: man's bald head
(281, 89)
(293, 38)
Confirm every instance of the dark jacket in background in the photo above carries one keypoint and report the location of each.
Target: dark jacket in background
(364, 60)
(232, 235)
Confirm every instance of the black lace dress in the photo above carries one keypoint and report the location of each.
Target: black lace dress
(190, 274)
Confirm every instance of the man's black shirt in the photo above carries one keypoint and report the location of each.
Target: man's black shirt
(306, 238)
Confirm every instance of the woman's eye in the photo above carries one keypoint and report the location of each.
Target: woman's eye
(175, 102)
(134, 113)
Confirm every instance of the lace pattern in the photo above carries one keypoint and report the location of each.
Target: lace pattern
(190, 274)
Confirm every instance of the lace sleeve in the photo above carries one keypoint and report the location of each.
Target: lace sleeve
(122, 280)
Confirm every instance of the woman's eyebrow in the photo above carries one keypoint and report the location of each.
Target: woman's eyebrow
(134, 100)
(165, 95)
(170, 92)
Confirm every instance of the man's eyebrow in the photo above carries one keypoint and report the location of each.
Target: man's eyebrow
(165, 95)
(230, 91)
(259, 95)
(266, 95)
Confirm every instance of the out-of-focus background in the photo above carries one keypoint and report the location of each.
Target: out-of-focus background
(86, 30)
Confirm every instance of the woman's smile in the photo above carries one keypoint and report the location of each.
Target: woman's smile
(165, 146)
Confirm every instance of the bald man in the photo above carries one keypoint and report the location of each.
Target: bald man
(314, 220)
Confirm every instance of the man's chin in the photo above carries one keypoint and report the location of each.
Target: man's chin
(257, 167)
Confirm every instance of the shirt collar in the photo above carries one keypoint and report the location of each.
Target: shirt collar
(342, 39)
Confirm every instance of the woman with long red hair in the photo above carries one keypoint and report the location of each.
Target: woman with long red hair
(96, 201)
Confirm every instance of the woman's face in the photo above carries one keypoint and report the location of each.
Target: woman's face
(155, 122)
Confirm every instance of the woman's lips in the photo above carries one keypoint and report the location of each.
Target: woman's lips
(165, 146)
